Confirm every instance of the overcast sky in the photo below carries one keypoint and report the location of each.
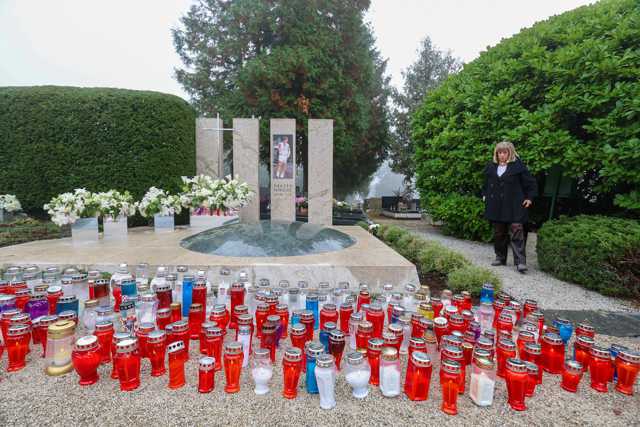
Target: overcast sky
(127, 43)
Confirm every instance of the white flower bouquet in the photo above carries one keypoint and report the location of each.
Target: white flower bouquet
(67, 208)
(113, 204)
(206, 195)
(9, 203)
(157, 201)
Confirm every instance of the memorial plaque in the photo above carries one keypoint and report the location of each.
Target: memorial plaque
(246, 157)
(283, 169)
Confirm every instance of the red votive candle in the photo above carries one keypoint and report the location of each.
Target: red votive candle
(449, 383)
(17, 343)
(506, 349)
(374, 349)
(552, 353)
(196, 318)
(337, 340)
(206, 374)
(232, 366)
(156, 349)
(177, 354)
(118, 337)
(127, 362)
(346, 309)
(416, 385)
(104, 333)
(571, 376)
(220, 316)
(600, 368)
(86, 359)
(163, 318)
(516, 378)
(627, 364)
(282, 310)
(176, 311)
(291, 368)
(142, 333)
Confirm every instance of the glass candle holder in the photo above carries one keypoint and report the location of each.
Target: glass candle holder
(261, 370)
(236, 294)
(177, 355)
(358, 374)
(156, 350)
(220, 315)
(346, 310)
(206, 374)
(449, 383)
(516, 379)
(187, 293)
(86, 359)
(148, 308)
(118, 337)
(552, 353)
(600, 368)
(291, 368)
(390, 372)
(60, 340)
(418, 379)
(532, 378)
(571, 376)
(232, 366)
(416, 344)
(325, 374)
(127, 363)
(329, 313)
(627, 363)
(483, 379)
(262, 311)
(311, 304)
(337, 341)
(354, 322)
(313, 350)
(104, 334)
(17, 342)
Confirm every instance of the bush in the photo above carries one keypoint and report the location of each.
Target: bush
(462, 216)
(435, 257)
(393, 233)
(565, 91)
(471, 278)
(600, 253)
(55, 139)
(408, 246)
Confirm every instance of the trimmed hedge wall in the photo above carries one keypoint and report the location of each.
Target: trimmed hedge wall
(431, 257)
(599, 253)
(54, 139)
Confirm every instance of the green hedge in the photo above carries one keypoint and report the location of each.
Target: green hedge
(600, 253)
(54, 139)
(462, 216)
(431, 257)
(564, 91)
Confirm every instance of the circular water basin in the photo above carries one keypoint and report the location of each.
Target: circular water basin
(268, 239)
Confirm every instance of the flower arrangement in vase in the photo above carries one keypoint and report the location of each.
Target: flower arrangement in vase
(162, 206)
(115, 207)
(79, 209)
(9, 205)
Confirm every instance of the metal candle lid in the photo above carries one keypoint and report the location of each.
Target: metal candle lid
(298, 329)
(293, 354)
(389, 353)
(365, 326)
(375, 343)
(91, 303)
(20, 318)
(516, 365)
(146, 327)
(600, 352)
(506, 344)
(120, 336)
(213, 332)
(180, 326)
(324, 361)
(68, 315)
(261, 353)
(206, 363)
(163, 313)
(551, 338)
(47, 320)
(128, 345)
(450, 366)
(86, 343)
(155, 337)
(104, 325)
(337, 335)
(451, 352)
(573, 366)
(314, 349)
(532, 368)
(233, 347)
(420, 359)
(8, 314)
(355, 358)
(306, 315)
(61, 329)
(195, 307)
(416, 342)
(148, 297)
(586, 327)
(355, 317)
(175, 347)
(17, 330)
(585, 341)
(440, 322)
(629, 356)
(533, 348)
(219, 309)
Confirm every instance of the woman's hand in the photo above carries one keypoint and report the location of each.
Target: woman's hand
(526, 203)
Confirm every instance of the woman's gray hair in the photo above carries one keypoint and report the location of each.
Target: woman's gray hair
(505, 146)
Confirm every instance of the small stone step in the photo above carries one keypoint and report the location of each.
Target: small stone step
(614, 323)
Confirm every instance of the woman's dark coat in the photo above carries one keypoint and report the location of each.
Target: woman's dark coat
(504, 195)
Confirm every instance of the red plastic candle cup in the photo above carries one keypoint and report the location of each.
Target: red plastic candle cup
(328, 313)
(571, 376)
(282, 310)
(398, 331)
(104, 333)
(262, 311)
(177, 355)
(416, 344)
(156, 350)
(436, 305)
(220, 316)
(374, 349)
(498, 306)
(600, 369)
(524, 337)
(298, 334)
(585, 329)
(363, 334)
(163, 318)
(416, 385)
(306, 318)
(127, 362)
(268, 338)
(236, 294)
(17, 343)
(196, 318)
(53, 294)
(337, 341)
(440, 327)
(375, 315)
(141, 333)
(505, 323)
(164, 295)
(5, 321)
(118, 337)
(417, 327)
(532, 378)
(516, 379)
(40, 329)
(203, 337)
(364, 297)
(449, 382)
(206, 374)
(86, 359)
(455, 354)
(176, 311)
(116, 290)
(582, 350)
(529, 307)
(346, 309)
(533, 353)
(627, 364)
(179, 331)
(199, 293)
(291, 368)
(552, 353)
(506, 349)
(232, 366)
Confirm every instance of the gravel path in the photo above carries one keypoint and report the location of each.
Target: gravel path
(550, 292)
(29, 397)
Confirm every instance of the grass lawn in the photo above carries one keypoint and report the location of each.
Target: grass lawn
(28, 229)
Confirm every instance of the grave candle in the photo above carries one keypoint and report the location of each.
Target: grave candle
(291, 368)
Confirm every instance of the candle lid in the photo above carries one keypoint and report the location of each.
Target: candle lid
(293, 354)
(47, 320)
(20, 318)
(195, 307)
(552, 338)
(298, 329)
(157, 336)
(329, 307)
(587, 327)
(599, 351)
(162, 287)
(375, 343)
(532, 368)
(440, 322)
(314, 349)
(146, 327)
(585, 341)
(420, 359)
(533, 348)
(163, 313)
(19, 329)
(573, 366)
(526, 336)
(207, 363)
(213, 332)
(430, 337)
(219, 309)
(200, 283)
(261, 353)
(120, 336)
(285, 308)
(7, 299)
(629, 356)
(294, 291)
(450, 366)
(355, 317)
(451, 340)
(180, 326)
(389, 337)
(395, 329)
(336, 335)
(516, 365)
(244, 329)
(389, 353)
(481, 353)
(562, 321)
(86, 343)
(449, 351)
(104, 325)
(237, 285)
(61, 329)
(417, 342)
(273, 318)
(324, 361)
(506, 344)
(404, 320)
(233, 347)
(148, 297)
(128, 345)
(40, 296)
(312, 297)
(175, 347)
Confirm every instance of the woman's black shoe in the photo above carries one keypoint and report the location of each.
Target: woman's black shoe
(498, 261)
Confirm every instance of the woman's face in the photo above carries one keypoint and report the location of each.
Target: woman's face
(503, 156)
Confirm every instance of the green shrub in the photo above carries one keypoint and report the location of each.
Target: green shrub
(471, 278)
(462, 215)
(55, 139)
(565, 91)
(434, 257)
(408, 246)
(393, 234)
(600, 253)
(363, 224)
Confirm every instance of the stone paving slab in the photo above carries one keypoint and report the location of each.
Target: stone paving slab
(616, 324)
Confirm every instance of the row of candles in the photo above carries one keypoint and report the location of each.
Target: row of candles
(442, 331)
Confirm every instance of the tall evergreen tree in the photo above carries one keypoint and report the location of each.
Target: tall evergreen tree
(431, 68)
(291, 58)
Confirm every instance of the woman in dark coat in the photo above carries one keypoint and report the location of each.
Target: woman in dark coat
(508, 192)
